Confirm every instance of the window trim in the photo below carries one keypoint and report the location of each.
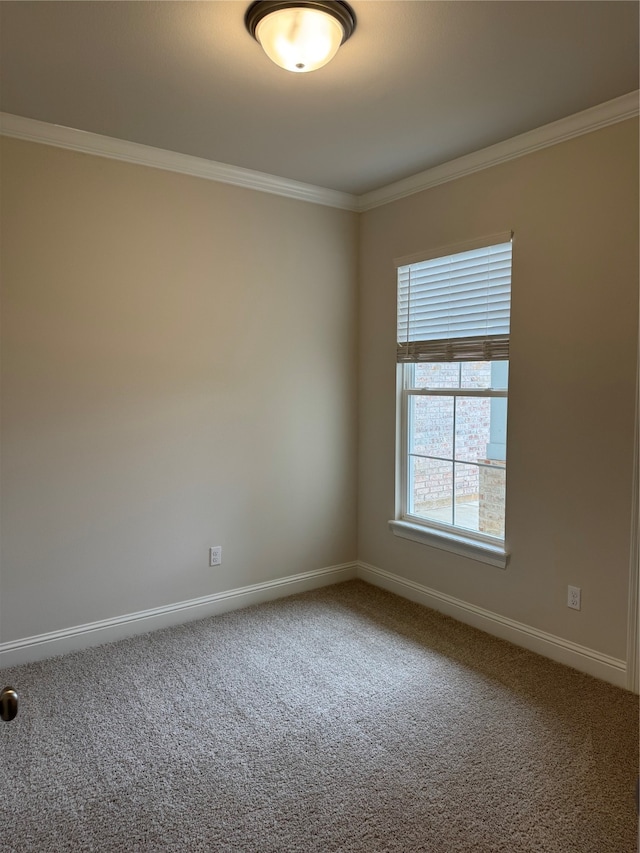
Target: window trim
(462, 544)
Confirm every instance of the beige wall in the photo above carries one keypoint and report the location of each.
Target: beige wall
(178, 371)
(133, 440)
(574, 210)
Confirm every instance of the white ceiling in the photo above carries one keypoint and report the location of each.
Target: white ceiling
(418, 84)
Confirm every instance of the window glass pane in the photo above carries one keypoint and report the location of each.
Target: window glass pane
(480, 498)
(500, 375)
(463, 374)
(497, 446)
(431, 426)
(437, 375)
(473, 428)
(475, 374)
(491, 501)
(431, 489)
(467, 493)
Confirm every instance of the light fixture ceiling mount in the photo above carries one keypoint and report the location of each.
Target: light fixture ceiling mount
(300, 35)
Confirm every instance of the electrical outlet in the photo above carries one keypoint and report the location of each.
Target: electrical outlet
(215, 555)
(573, 597)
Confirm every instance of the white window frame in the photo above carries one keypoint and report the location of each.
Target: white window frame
(448, 537)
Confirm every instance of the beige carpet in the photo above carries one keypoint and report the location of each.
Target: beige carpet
(345, 719)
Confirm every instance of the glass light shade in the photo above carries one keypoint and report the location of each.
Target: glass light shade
(299, 39)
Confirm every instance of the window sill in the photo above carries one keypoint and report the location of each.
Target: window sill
(457, 543)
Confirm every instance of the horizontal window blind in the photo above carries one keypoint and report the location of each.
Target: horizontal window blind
(456, 308)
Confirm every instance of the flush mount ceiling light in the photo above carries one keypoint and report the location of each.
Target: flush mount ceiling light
(303, 35)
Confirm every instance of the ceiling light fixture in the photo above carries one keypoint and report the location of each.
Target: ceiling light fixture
(300, 35)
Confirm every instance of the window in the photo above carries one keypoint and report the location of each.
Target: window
(453, 369)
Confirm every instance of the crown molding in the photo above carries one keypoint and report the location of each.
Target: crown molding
(33, 130)
(602, 115)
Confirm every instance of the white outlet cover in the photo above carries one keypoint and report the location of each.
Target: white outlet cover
(574, 594)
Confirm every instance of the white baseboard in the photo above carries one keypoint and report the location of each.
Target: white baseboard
(563, 651)
(79, 637)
